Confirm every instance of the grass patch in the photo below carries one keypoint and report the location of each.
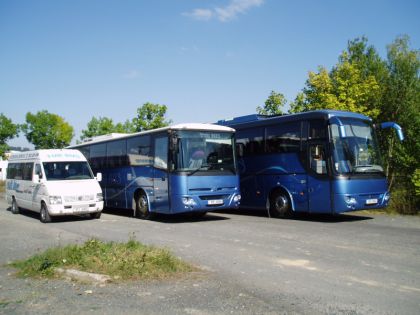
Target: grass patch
(2, 186)
(125, 261)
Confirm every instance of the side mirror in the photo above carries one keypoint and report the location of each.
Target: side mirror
(397, 128)
(36, 178)
(99, 177)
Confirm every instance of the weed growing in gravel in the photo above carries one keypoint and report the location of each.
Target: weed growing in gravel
(131, 260)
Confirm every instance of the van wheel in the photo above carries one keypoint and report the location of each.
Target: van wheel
(14, 209)
(142, 207)
(44, 216)
(280, 205)
(96, 215)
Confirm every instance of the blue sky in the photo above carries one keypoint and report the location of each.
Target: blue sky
(205, 60)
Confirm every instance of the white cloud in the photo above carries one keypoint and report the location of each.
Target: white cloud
(131, 74)
(200, 14)
(226, 13)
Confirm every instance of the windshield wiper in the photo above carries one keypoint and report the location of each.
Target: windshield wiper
(204, 167)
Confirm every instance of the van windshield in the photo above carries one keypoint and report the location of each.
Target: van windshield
(67, 170)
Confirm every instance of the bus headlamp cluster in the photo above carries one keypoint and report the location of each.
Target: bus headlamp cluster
(188, 201)
(55, 200)
(99, 197)
(351, 202)
(237, 198)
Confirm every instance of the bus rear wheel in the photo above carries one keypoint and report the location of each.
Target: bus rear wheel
(142, 207)
(280, 205)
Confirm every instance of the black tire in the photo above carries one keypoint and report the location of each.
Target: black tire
(96, 215)
(142, 207)
(280, 205)
(14, 209)
(44, 215)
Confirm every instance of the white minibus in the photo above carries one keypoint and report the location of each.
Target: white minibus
(54, 183)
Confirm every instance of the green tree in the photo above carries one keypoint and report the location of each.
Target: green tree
(343, 88)
(47, 131)
(104, 125)
(273, 105)
(401, 103)
(8, 130)
(150, 116)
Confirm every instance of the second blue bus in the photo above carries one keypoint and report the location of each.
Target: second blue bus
(320, 162)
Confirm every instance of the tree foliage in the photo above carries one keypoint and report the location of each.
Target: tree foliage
(349, 86)
(104, 125)
(150, 116)
(47, 131)
(8, 130)
(273, 105)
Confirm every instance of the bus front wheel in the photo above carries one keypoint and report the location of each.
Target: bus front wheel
(142, 207)
(280, 205)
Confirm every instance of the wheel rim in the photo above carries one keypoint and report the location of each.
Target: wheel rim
(281, 204)
(143, 206)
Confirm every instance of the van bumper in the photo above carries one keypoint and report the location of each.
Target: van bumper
(75, 209)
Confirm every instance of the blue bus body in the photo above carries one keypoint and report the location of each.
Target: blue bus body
(158, 172)
(318, 162)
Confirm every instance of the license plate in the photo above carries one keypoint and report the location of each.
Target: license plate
(80, 209)
(215, 202)
(372, 201)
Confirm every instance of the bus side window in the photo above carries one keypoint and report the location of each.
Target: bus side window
(161, 153)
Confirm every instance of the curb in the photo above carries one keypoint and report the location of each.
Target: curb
(84, 276)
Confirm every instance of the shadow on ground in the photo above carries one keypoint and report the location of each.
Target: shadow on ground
(324, 218)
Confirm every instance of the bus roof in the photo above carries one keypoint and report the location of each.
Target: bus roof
(185, 126)
(52, 155)
(326, 114)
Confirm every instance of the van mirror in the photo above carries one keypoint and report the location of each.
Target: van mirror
(99, 177)
(36, 178)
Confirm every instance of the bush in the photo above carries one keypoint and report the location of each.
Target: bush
(403, 201)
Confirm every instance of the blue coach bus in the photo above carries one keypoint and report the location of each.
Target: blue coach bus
(320, 162)
(177, 169)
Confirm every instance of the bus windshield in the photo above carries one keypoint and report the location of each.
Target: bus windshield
(67, 170)
(357, 152)
(204, 151)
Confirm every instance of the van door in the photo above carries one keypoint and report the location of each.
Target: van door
(160, 202)
(37, 192)
(26, 186)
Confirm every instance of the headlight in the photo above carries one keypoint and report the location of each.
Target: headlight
(237, 198)
(188, 201)
(99, 197)
(55, 200)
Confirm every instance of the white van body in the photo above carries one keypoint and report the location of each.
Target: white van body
(54, 183)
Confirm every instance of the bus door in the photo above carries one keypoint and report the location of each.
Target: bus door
(160, 202)
(318, 181)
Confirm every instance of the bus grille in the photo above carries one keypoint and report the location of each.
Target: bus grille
(212, 197)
